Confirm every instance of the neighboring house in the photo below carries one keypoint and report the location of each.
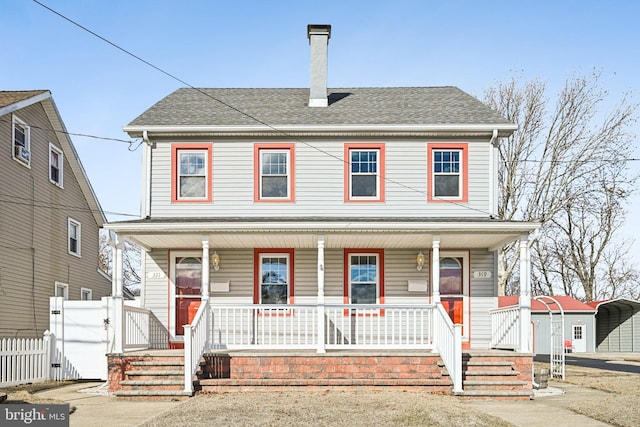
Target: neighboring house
(49, 216)
(579, 333)
(617, 325)
(311, 218)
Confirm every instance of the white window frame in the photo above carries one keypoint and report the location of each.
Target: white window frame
(78, 226)
(58, 152)
(287, 174)
(204, 175)
(378, 272)
(459, 174)
(289, 273)
(27, 142)
(63, 288)
(377, 196)
(88, 292)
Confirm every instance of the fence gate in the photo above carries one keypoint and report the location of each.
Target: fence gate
(556, 354)
(80, 338)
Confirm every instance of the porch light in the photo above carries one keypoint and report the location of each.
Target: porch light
(419, 261)
(215, 261)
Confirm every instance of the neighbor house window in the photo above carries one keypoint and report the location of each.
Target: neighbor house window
(191, 173)
(364, 282)
(21, 141)
(55, 165)
(61, 290)
(448, 172)
(75, 233)
(274, 283)
(274, 172)
(86, 294)
(364, 172)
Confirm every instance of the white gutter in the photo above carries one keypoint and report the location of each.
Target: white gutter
(322, 128)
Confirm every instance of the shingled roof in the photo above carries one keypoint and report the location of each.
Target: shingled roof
(347, 106)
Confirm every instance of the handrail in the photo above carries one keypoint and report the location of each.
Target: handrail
(448, 339)
(195, 342)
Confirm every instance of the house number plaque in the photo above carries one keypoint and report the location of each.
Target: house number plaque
(482, 274)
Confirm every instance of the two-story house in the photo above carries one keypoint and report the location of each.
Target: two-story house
(49, 216)
(320, 219)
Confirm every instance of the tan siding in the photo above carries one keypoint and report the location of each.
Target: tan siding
(33, 231)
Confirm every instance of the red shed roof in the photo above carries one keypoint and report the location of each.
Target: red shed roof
(567, 303)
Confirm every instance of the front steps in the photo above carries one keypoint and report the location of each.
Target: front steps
(153, 375)
(159, 374)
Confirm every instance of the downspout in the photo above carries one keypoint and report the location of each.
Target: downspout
(493, 176)
(145, 208)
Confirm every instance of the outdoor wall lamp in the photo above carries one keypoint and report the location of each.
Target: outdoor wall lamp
(215, 261)
(419, 261)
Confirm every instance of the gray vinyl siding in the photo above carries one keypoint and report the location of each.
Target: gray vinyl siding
(319, 181)
(483, 298)
(33, 232)
(618, 329)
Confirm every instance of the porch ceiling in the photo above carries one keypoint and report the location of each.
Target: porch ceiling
(337, 234)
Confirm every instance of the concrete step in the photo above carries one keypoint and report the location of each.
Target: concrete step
(152, 395)
(496, 394)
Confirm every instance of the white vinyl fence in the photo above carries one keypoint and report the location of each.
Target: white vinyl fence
(25, 360)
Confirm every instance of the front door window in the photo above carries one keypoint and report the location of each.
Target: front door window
(188, 281)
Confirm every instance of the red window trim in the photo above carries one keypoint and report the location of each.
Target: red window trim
(345, 289)
(256, 271)
(174, 171)
(347, 170)
(464, 147)
(256, 171)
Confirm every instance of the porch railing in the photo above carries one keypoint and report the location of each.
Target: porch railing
(195, 343)
(505, 327)
(136, 328)
(448, 339)
(346, 326)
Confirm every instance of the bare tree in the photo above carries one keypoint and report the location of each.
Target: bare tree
(130, 262)
(565, 167)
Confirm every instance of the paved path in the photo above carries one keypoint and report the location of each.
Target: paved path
(95, 408)
(545, 410)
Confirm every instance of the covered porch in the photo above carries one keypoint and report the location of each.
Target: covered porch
(322, 324)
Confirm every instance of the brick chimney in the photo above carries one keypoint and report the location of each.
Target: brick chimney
(319, 41)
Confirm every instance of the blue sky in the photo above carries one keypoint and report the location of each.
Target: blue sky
(469, 44)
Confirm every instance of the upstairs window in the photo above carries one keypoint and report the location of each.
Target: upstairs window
(191, 173)
(21, 141)
(274, 179)
(56, 161)
(448, 172)
(75, 233)
(364, 174)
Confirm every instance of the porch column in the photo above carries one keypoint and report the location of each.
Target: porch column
(117, 314)
(204, 289)
(435, 270)
(321, 322)
(525, 296)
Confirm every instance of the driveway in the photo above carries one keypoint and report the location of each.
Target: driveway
(619, 362)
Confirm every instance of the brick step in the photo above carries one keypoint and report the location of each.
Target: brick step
(495, 385)
(152, 395)
(491, 372)
(154, 374)
(152, 384)
(487, 363)
(155, 362)
(260, 384)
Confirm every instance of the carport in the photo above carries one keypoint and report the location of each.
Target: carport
(617, 325)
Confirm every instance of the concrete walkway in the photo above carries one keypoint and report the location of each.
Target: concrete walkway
(549, 408)
(95, 408)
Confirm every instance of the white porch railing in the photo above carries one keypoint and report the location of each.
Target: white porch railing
(136, 328)
(346, 326)
(25, 360)
(505, 328)
(195, 343)
(448, 339)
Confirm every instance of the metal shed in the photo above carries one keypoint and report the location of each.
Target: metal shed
(617, 325)
(579, 323)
